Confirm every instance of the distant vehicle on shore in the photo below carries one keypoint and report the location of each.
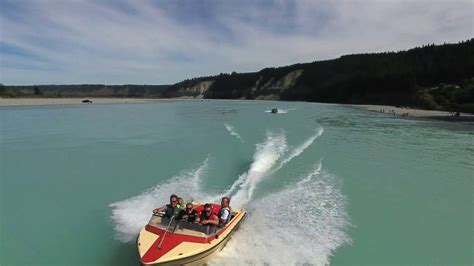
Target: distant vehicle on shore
(86, 101)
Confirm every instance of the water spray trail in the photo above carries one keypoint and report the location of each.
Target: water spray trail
(231, 130)
(281, 111)
(267, 153)
(309, 215)
(130, 215)
(315, 172)
(296, 152)
(300, 149)
(195, 184)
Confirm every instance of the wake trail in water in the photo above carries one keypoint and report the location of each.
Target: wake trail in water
(299, 149)
(281, 111)
(315, 172)
(130, 215)
(232, 131)
(302, 224)
(295, 153)
(266, 155)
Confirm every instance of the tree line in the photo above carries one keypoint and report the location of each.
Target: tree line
(84, 90)
(432, 77)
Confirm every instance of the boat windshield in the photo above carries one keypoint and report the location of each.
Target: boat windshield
(182, 227)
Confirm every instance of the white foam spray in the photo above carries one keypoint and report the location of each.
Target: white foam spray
(264, 159)
(266, 154)
(299, 149)
(295, 153)
(316, 172)
(281, 111)
(232, 131)
(130, 215)
(301, 225)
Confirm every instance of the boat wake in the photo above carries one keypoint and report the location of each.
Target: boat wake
(308, 214)
(231, 130)
(130, 215)
(266, 155)
(281, 111)
(299, 149)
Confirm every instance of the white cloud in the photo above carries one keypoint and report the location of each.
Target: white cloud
(92, 42)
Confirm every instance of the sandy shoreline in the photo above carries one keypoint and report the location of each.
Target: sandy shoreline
(385, 109)
(68, 101)
(418, 113)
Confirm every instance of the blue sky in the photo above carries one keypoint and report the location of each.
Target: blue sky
(163, 42)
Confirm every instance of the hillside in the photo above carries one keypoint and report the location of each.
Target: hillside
(430, 77)
(438, 77)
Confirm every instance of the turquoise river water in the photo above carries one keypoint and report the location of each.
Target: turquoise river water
(322, 184)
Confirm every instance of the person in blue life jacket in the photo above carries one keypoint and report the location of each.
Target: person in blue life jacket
(169, 209)
(225, 212)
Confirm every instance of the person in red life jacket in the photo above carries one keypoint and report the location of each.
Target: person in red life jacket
(169, 209)
(225, 212)
(189, 214)
(208, 217)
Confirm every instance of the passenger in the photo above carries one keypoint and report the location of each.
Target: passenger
(169, 209)
(189, 214)
(208, 217)
(225, 212)
(180, 204)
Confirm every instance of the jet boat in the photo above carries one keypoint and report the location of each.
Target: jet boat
(166, 241)
(274, 111)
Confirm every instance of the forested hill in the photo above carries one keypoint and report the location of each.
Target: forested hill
(431, 77)
(84, 90)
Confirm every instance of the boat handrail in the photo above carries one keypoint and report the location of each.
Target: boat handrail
(166, 231)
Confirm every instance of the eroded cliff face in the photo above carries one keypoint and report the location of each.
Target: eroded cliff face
(232, 87)
(272, 88)
(197, 91)
(288, 81)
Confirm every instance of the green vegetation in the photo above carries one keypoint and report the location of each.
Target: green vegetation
(431, 77)
(37, 91)
(438, 77)
(85, 90)
(448, 97)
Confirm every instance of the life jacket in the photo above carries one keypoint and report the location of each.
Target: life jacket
(228, 216)
(191, 216)
(171, 211)
(205, 217)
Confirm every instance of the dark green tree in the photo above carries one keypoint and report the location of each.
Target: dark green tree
(37, 91)
(2, 89)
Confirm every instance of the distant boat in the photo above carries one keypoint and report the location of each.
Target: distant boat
(166, 241)
(274, 110)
